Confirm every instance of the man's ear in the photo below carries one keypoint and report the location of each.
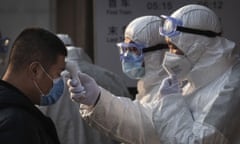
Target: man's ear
(34, 70)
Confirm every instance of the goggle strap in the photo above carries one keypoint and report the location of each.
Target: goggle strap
(154, 48)
(199, 32)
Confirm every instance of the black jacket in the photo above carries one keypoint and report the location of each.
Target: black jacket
(21, 122)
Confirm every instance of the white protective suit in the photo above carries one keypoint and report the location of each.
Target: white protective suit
(126, 120)
(71, 128)
(207, 111)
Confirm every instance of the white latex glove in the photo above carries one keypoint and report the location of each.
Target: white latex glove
(170, 85)
(86, 92)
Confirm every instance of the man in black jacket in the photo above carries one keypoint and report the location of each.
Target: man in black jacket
(35, 62)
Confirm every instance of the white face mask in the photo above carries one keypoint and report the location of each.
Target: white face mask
(178, 65)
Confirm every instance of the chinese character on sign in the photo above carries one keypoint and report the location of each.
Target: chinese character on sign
(125, 3)
(112, 30)
(112, 3)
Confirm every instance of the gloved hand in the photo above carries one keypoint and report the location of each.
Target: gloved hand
(86, 92)
(170, 85)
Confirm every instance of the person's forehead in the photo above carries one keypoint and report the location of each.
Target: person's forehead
(59, 65)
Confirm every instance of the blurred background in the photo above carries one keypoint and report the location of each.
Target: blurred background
(97, 25)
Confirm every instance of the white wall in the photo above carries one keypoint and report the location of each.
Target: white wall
(15, 15)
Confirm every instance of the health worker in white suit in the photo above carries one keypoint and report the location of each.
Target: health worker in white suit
(71, 128)
(141, 56)
(205, 111)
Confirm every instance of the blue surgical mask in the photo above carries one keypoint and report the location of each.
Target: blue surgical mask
(133, 69)
(55, 93)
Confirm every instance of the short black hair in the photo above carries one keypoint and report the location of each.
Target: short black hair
(35, 44)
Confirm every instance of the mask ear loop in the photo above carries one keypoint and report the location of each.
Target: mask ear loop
(42, 94)
(33, 69)
(39, 89)
(46, 73)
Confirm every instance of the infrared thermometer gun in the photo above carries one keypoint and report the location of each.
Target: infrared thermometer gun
(72, 67)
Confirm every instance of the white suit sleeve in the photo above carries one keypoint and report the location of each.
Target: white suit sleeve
(175, 124)
(119, 117)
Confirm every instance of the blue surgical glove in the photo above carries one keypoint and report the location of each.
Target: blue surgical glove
(86, 91)
(170, 85)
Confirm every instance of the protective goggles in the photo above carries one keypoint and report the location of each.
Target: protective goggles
(172, 27)
(4, 43)
(137, 50)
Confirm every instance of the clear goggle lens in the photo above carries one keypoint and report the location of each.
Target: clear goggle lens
(169, 26)
(4, 44)
(130, 51)
(172, 27)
